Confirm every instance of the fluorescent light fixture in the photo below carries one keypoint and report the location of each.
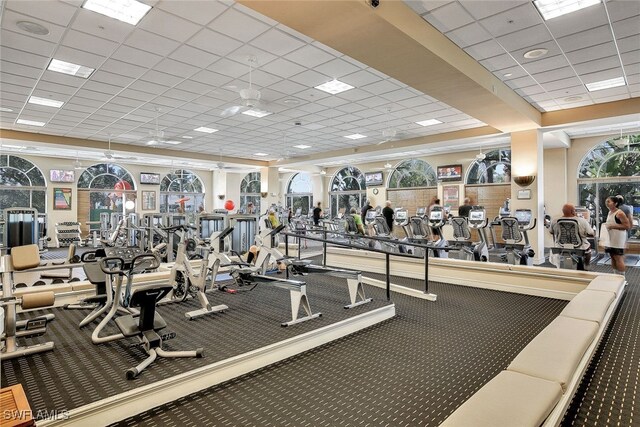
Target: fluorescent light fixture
(302, 146)
(187, 137)
(429, 122)
(605, 84)
(256, 113)
(206, 130)
(355, 136)
(129, 11)
(29, 122)
(69, 68)
(6, 110)
(173, 142)
(260, 154)
(334, 86)
(550, 9)
(45, 101)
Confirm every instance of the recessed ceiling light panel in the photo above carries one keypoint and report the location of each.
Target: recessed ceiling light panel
(187, 137)
(129, 11)
(550, 9)
(69, 68)
(260, 154)
(355, 136)
(334, 87)
(29, 122)
(536, 53)
(256, 113)
(429, 122)
(605, 84)
(206, 129)
(45, 101)
(302, 146)
(6, 110)
(173, 142)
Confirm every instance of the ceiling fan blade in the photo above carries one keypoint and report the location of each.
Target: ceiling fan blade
(231, 111)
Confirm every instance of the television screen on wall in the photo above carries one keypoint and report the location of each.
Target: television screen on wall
(149, 178)
(449, 173)
(373, 178)
(59, 175)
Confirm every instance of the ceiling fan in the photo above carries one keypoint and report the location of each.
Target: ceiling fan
(110, 155)
(249, 97)
(156, 136)
(286, 155)
(389, 133)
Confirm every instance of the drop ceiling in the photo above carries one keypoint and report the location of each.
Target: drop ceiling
(190, 59)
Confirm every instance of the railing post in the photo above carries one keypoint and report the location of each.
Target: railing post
(426, 271)
(324, 248)
(388, 277)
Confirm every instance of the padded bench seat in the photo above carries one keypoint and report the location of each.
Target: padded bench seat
(608, 282)
(589, 305)
(554, 354)
(510, 399)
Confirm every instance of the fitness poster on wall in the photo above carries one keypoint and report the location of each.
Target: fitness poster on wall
(62, 199)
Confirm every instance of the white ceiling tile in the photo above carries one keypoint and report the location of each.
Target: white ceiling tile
(102, 26)
(626, 27)
(283, 68)
(79, 57)
(546, 63)
(238, 25)
(512, 20)
(167, 25)
(480, 9)
(309, 56)
(553, 75)
(136, 57)
(381, 87)
(24, 58)
(498, 62)
(536, 36)
(50, 11)
(200, 12)
(135, 95)
(449, 17)
(288, 87)
(176, 68)
(629, 44)
(146, 41)
(91, 94)
(102, 87)
(593, 52)
(192, 56)
(597, 65)
(602, 75)
(337, 68)
(148, 87)
(468, 35)
(19, 69)
(89, 43)
(54, 87)
(277, 42)
(563, 84)
(163, 79)
(310, 78)
(483, 50)
(587, 38)
(214, 42)
(578, 21)
(25, 43)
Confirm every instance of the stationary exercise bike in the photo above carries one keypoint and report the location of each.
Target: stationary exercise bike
(187, 282)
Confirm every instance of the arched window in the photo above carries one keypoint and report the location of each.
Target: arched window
(347, 190)
(300, 193)
(103, 187)
(413, 173)
(250, 191)
(610, 168)
(181, 190)
(494, 169)
(22, 184)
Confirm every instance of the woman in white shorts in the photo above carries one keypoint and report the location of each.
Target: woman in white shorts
(617, 225)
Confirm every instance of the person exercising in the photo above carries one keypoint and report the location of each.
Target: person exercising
(387, 213)
(358, 220)
(317, 214)
(617, 224)
(584, 229)
(465, 208)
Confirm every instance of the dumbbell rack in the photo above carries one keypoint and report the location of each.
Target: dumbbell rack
(66, 233)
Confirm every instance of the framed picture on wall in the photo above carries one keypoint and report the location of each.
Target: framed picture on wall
(148, 200)
(451, 196)
(62, 199)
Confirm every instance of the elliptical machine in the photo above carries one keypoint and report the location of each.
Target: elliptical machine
(514, 231)
(436, 221)
(464, 247)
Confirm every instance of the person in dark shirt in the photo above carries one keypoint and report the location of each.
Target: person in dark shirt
(365, 208)
(465, 208)
(317, 213)
(387, 212)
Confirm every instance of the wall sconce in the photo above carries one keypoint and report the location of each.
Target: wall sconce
(221, 196)
(264, 194)
(524, 181)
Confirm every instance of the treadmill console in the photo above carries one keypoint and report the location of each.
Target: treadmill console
(371, 216)
(401, 217)
(476, 216)
(523, 216)
(435, 215)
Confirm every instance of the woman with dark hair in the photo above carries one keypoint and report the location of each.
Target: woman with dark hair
(617, 225)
